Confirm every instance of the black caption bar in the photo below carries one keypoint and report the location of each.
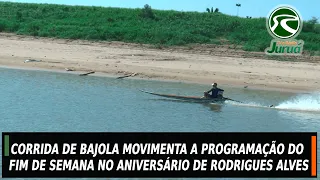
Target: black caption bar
(152, 155)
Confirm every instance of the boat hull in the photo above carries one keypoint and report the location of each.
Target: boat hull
(188, 98)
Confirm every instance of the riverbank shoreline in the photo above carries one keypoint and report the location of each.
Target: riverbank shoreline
(109, 75)
(115, 59)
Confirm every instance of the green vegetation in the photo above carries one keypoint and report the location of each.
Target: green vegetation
(147, 26)
(211, 11)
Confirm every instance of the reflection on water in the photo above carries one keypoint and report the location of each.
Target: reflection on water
(215, 107)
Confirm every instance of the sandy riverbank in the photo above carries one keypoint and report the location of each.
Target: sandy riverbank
(117, 59)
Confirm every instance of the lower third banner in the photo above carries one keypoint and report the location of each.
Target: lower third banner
(119, 155)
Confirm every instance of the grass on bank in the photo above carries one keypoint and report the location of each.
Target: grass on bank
(146, 26)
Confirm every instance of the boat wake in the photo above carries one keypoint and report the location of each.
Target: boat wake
(248, 104)
(306, 102)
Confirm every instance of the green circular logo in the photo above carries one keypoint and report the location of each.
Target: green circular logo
(284, 22)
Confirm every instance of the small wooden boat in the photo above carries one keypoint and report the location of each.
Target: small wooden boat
(189, 98)
(198, 99)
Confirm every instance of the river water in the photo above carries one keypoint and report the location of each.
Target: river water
(48, 101)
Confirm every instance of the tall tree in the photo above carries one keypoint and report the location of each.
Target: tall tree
(238, 5)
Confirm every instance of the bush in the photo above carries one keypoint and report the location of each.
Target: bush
(19, 16)
(2, 26)
(317, 29)
(211, 11)
(310, 26)
(147, 12)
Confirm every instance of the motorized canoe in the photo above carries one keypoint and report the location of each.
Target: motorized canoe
(196, 98)
(188, 98)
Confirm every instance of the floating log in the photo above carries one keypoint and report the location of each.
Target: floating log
(32, 60)
(67, 69)
(130, 75)
(85, 74)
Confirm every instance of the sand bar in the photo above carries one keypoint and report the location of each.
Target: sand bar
(117, 59)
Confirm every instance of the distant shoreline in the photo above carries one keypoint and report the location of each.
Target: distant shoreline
(115, 59)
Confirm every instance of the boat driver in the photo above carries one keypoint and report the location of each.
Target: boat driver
(215, 92)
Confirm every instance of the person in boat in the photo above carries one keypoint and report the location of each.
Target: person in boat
(215, 92)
